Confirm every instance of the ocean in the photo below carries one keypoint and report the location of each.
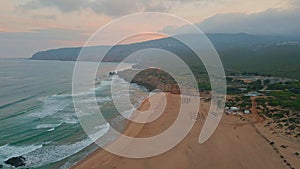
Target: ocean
(37, 117)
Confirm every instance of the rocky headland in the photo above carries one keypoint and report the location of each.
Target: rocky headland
(151, 79)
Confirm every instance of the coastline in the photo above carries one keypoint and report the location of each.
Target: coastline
(232, 146)
(128, 130)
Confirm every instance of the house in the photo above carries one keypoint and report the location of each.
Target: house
(252, 94)
(247, 111)
(234, 108)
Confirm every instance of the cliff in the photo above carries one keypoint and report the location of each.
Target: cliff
(151, 79)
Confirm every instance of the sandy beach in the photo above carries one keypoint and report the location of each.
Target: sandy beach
(236, 144)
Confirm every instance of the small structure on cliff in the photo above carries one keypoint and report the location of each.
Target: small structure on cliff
(112, 73)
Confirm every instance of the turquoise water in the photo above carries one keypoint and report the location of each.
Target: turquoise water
(37, 118)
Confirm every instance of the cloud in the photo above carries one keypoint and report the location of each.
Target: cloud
(117, 8)
(62, 5)
(45, 17)
(295, 3)
(112, 8)
(269, 22)
(272, 21)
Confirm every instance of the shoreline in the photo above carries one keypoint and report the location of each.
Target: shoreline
(233, 146)
(126, 129)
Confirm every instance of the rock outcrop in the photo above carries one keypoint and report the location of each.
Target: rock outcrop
(16, 161)
(151, 79)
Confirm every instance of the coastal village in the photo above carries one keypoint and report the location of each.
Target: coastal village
(274, 100)
(272, 106)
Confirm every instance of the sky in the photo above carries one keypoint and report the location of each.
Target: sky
(28, 26)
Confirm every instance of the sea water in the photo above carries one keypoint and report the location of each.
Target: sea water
(37, 117)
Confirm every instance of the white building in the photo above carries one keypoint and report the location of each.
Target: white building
(234, 108)
(247, 111)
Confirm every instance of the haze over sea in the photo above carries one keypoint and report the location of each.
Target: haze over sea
(37, 118)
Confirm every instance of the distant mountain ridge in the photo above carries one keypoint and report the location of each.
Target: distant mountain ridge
(242, 52)
(220, 41)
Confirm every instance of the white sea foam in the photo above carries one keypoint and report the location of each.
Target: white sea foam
(71, 121)
(101, 85)
(105, 82)
(51, 106)
(55, 103)
(54, 153)
(47, 126)
(39, 155)
(101, 130)
(52, 129)
(8, 151)
(104, 99)
(98, 99)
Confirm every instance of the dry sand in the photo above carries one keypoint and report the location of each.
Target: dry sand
(236, 144)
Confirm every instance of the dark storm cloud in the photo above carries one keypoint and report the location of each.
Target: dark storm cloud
(269, 22)
(273, 21)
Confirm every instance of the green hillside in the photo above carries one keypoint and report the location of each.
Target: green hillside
(278, 56)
